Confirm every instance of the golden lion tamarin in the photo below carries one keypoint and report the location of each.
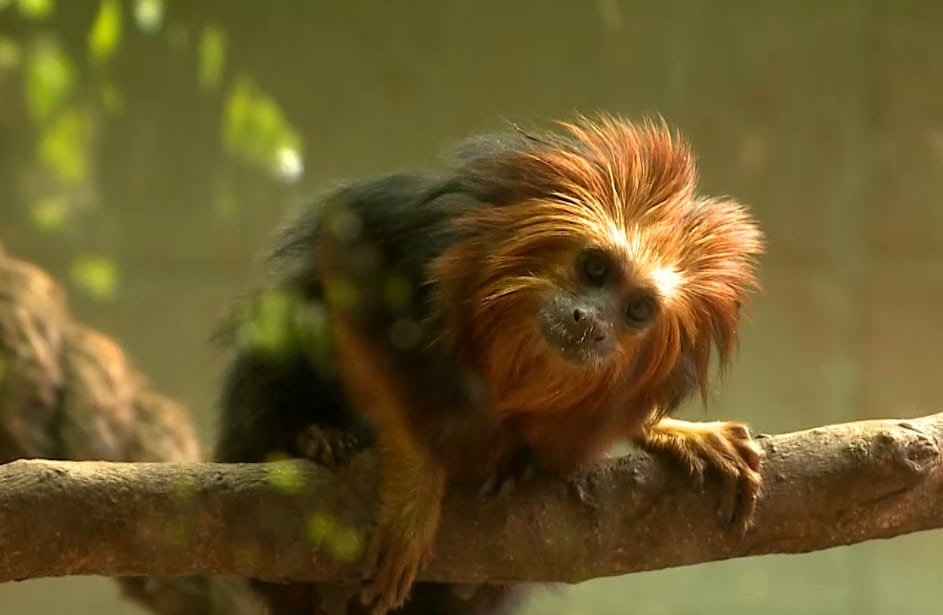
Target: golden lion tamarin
(542, 297)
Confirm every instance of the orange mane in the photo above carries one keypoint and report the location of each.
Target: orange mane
(626, 188)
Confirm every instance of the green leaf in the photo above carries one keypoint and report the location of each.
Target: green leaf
(50, 80)
(347, 545)
(50, 214)
(325, 532)
(96, 275)
(63, 146)
(285, 476)
(212, 57)
(255, 130)
(105, 34)
(149, 15)
(9, 53)
(36, 9)
(279, 323)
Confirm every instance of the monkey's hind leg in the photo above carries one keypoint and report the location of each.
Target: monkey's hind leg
(726, 447)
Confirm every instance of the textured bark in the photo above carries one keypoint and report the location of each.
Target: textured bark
(824, 487)
(69, 392)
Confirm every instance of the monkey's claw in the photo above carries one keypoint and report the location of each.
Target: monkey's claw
(726, 448)
(502, 484)
(392, 569)
(327, 446)
(730, 450)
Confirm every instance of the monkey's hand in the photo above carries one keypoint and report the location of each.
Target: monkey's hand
(412, 487)
(727, 448)
(327, 446)
(505, 476)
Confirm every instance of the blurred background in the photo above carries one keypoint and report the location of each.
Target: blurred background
(149, 147)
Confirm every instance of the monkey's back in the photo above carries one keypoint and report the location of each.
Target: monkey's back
(274, 390)
(379, 235)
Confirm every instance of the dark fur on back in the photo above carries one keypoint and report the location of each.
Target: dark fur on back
(268, 397)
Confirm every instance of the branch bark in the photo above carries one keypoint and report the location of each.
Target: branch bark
(70, 392)
(292, 520)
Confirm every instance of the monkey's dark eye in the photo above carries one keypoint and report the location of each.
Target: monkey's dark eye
(595, 267)
(640, 310)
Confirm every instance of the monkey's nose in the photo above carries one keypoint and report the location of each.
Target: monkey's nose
(587, 327)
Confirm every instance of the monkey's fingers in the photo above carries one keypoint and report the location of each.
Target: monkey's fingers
(739, 468)
(504, 484)
(392, 569)
(726, 448)
(327, 446)
(507, 475)
(729, 450)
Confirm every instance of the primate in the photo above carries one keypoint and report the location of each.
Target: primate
(538, 298)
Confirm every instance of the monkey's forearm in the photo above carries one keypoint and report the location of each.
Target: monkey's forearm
(412, 480)
(412, 487)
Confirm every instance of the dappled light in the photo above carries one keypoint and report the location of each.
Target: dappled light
(96, 275)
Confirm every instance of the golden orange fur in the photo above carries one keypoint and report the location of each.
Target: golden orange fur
(629, 189)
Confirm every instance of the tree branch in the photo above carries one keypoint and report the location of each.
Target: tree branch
(824, 487)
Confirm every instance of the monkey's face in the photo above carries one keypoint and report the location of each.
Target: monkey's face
(574, 315)
(602, 305)
(594, 270)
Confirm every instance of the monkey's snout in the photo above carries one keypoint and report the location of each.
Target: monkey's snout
(588, 336)
(586, 327)
(578, 329)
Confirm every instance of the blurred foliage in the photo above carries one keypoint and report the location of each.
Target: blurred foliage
(96, 275)
(63, 144)
(279, 323)
(255, 130)
(73, 101)
(9, 53)
(35, 9)
(49, 79)
(50, 214)
(212, 57)
(324, 530)
(112, 99)
(63, 130)
(285, 476)
(105, 34)
(342, 542)
(149, 15)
